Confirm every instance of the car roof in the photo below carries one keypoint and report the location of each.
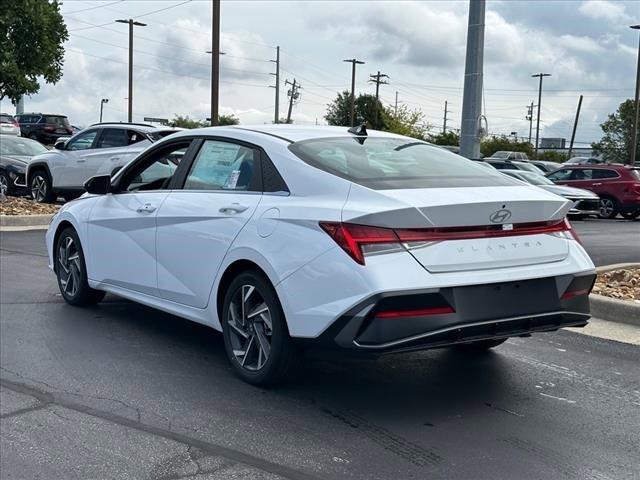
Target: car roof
(143, 127)
(42, 114)
(290, 133)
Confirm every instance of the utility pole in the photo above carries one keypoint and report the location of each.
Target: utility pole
(276, 113)
(215, 61)
(444, 125)
(575, 126)
(541, 76)
(132, 23)
(293, 94)
(634, 133)
(472, 97)
(378, 80)
(353, 62)
(395, 108)
(530, 118)
(102, 102)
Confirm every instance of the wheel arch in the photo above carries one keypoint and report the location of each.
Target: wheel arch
(34, 167)
(232, 271)
(62, 226)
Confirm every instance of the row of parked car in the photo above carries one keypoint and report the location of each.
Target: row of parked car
(595, 187)
(27, 167)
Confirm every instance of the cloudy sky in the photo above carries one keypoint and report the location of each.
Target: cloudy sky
(586, 46)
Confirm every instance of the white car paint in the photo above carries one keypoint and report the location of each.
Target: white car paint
(173, 255)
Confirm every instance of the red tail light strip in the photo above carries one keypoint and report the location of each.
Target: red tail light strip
(350, 237)
(422, 312)
(575, 293)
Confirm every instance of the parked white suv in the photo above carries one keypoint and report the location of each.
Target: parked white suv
(101, 149)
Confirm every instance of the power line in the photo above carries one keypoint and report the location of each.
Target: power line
(162, 9)
(92, 8)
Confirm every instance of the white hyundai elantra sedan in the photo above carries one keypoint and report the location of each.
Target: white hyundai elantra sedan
(288, 238)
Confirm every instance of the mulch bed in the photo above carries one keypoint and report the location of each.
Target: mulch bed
(23, 206)
(623, 284)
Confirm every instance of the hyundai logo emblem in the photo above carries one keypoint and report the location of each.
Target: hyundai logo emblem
(500, 216)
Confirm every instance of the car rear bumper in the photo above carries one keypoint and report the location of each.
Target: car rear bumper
(424, 319)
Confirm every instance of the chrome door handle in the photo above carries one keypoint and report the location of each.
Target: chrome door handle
(146, 208)
(81, 161)
(113, 159)
(596, 184)
(233, 209)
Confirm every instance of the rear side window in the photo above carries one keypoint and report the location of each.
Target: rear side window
(134, 137)
(605, 173)
(224, 166)
(395, 163)
(112, 138)
(582, 174)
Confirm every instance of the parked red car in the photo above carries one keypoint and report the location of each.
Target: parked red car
(617, 185)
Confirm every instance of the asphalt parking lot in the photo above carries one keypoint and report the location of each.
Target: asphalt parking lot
(124, 391)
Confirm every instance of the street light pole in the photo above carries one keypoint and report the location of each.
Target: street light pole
(215, 61)
(102, 102)
(131, 24)
(541, 75)
(634, 133)
(353, 62)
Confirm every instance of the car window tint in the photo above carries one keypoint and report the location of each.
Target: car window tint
(604, 173)
(559, 175)
(56, 120)
(222, 166)
(112, 138)
(134, 137)
(82, 141)
(156, 172)
(582, 174)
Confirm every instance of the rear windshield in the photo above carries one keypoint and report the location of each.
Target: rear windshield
(20, 146)
(635, 173)
(6, 119)
(395, 163)
(56, 120)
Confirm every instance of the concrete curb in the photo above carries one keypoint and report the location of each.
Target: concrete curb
(25, 220)
(612, 309)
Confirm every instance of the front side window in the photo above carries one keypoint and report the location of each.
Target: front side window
(560, 175)
(82, 141)
(112, 138)
(156, 171)
(582, 174)
(395, 163)
(223, 166)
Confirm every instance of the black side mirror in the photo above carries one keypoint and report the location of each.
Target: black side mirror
(60, 145)
(98, 185)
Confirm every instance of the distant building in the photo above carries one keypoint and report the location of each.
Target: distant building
(553, 143)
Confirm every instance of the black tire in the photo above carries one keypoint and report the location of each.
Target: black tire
(608, 207)
(40, 187)
(281, 360)
(5, 183)
(631, 215)
(71, 271)
(70, 196)
(480, 346)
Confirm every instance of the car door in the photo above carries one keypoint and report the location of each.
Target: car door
(122, 225)
(104, 158)
(68, 168)
(198, 222)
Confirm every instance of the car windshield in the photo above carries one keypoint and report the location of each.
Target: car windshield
(528, 167)
(394, 163)
(575, 160)
(500, 155)
(534, 178)
(20, 146)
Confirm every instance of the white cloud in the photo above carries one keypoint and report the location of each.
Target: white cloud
(605, 10)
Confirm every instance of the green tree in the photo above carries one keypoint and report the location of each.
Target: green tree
(491, 145)
(405, 121)
(445, 138)
(615, 145)
(32, 38)
(553, 156)
(367, 110)
(186, 122)
(228, 120)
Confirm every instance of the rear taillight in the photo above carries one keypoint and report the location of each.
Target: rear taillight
(49, 128)
(421, 312)
(357, 240)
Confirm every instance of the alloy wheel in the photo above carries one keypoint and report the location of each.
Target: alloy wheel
(250, 328)
(69, 266)
(606, 207)
(39, 188)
